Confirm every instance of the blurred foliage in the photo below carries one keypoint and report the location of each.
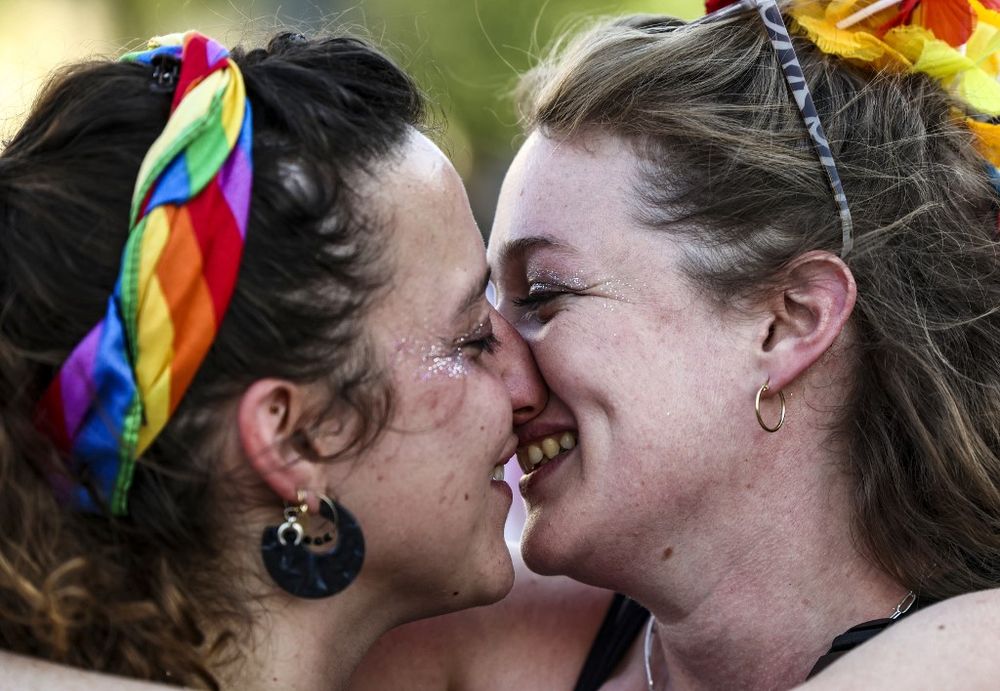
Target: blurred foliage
(466, 54)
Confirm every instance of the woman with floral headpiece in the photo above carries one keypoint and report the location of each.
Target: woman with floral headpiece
(254, 404)
(759, 271)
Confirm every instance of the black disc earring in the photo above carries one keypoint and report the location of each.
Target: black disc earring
(306, 573)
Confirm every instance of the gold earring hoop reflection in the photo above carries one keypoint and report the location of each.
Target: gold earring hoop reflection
(756, 405)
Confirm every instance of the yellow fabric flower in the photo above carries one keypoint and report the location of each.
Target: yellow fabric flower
(970, 75)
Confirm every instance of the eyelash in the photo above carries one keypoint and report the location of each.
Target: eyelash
(531, 302)
(487, 344)
(484, 344)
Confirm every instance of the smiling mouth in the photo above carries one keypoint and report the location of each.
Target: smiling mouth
(533, 456)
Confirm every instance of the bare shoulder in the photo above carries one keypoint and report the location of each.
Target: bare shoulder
(535, 638)
(30, 674)
(953, 644)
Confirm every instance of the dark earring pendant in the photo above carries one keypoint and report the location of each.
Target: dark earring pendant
(307, 574)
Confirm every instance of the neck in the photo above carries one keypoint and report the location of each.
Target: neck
(768, 640)
(770, 594)
(309, 644)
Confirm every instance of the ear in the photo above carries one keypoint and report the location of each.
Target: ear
(805, 317)
(270, 417)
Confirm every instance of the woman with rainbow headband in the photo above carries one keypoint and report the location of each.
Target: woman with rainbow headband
(759, 271)
(254, 405)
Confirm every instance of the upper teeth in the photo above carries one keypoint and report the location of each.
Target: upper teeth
(498, 472)
(538, 453)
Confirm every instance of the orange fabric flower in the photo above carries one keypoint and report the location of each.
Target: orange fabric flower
(951, 21)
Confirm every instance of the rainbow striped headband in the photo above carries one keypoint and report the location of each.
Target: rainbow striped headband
(122, 382)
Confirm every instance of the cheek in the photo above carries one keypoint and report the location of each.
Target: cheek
(426, 398)
(467, 415)
(590, 350)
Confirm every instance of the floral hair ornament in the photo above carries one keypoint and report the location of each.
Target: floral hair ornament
(120, 385)
(781, 41)
(955, 42)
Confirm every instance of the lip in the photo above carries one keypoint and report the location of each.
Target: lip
(503, 488)
(530, 482)
(509, 451)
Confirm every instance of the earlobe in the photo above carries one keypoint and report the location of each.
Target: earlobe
(268, 416)
(806, 316)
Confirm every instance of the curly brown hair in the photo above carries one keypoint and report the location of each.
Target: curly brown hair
(132, 595)
(725, 162)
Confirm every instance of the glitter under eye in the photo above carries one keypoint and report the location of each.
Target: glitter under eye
(452, 365)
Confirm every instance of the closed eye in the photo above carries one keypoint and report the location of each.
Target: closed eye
(534, 304)
(486, 344)
(535, 299)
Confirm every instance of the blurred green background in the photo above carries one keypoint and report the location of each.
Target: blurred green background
(464, 53)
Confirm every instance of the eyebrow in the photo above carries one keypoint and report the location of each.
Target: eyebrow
(473, 297)
(516, 249)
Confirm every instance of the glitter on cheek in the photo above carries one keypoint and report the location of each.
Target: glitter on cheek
(441, 364)
(429, 360)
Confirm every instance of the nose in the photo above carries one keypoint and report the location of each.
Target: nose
(528, 392)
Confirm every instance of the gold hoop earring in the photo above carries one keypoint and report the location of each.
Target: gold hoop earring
(760, 420)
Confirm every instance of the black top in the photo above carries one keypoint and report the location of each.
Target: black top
(623, 622)
(625, 619)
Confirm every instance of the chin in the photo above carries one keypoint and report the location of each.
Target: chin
(485, 578)
(543, 549)
(495, 580)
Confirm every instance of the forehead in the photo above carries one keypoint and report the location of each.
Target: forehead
(435, 247)
(576, 193)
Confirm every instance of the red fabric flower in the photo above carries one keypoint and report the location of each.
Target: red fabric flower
(952, 21)
(715, 5)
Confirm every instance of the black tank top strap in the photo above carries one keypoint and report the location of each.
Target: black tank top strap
(855, 636)
(621, 626)
(625, 619)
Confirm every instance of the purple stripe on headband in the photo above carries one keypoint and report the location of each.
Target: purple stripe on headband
(236, 176)
(76, 380)
(214, 52)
